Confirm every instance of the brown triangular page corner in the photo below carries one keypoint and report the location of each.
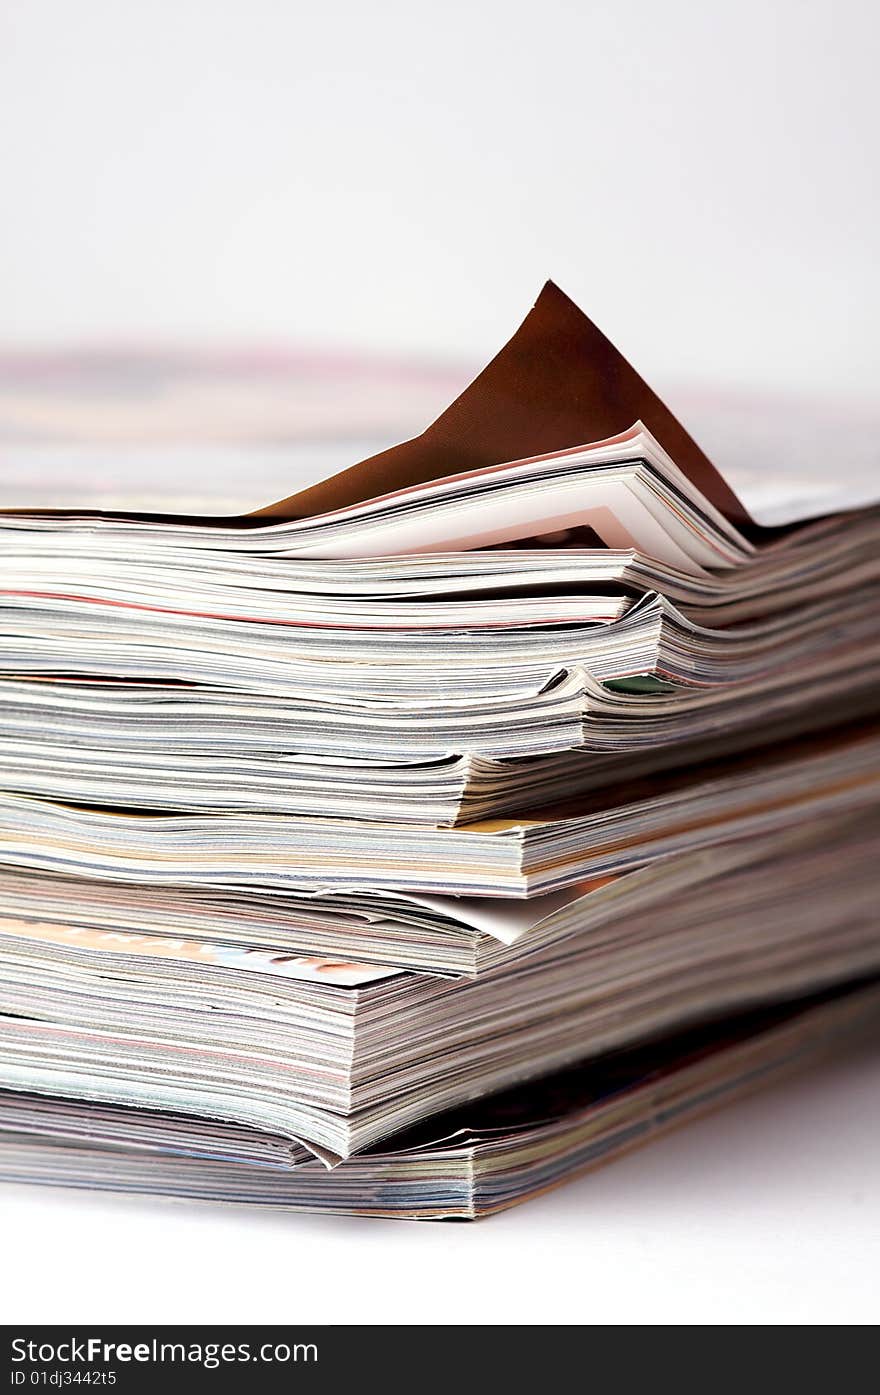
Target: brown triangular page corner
(557, 383)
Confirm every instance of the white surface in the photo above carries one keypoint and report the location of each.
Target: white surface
(768, 1212)
(700, 177)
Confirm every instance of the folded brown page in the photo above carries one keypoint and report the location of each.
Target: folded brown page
(557, 383)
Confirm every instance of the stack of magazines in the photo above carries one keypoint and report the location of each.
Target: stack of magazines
(425, 838)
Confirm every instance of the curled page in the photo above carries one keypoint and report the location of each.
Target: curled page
(558, 383)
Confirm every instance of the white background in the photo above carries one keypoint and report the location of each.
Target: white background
(702, 178)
